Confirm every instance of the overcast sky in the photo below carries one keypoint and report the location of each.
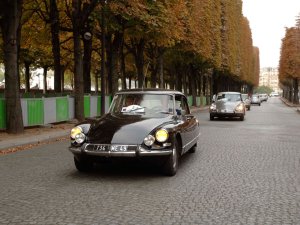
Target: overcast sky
(268, 19)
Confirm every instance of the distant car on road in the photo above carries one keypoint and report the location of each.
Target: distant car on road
(263, 97)
(274, 94)
(141, 123)
(227, 104)
(255, 99)
(247, 101)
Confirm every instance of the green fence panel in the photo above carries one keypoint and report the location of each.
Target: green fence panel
(35, 110)
(62, 109)
(198, 102)
(2, 114)
(99, 106)
(190, 100)
(203, 100)
(87, 106)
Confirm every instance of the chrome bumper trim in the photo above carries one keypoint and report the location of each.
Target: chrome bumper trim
(140, 151)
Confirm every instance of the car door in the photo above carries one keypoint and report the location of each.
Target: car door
(188, 125)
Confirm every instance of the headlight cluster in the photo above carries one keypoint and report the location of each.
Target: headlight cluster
(77, 135)
(213, 107)
(240, 108)
(160, 135)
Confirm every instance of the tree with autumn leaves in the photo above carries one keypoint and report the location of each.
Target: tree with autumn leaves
(289, 64)
(196, 46)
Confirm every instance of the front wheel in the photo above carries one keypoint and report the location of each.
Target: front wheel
(83, 165)
(193, 149)
(242, 118)
(171, 165)
(211, 117)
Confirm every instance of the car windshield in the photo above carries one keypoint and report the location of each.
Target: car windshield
(230, 97)
(244, 97)
(149, 105)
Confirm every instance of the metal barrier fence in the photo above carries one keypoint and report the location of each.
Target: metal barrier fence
(41, 111)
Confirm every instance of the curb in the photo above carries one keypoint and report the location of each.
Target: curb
(13, 144)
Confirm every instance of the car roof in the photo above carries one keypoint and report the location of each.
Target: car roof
(228, 92)
(149, 91)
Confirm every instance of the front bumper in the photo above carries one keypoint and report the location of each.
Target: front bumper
(133, 151)
(227, 114)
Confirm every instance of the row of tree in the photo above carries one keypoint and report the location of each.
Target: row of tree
(289, 64)
(197, 46)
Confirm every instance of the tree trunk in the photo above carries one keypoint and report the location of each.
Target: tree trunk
(78, 67)
(87, 57)
(45, 79)
(161, 67)
(54, 17)
(296, 91)
(193, 84)
(184, 83)
(11, 11)
(27, 77)
(123, 69)
(63, 68)
(139, 61)
(178, 81)
(115, 56)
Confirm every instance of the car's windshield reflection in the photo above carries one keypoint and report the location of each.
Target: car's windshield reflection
(229, 97)
(149, 105)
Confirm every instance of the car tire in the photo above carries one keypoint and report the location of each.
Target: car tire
(242, 118)
(211, 117)
(171, 165)
(83, 165)
(259, 104)
(249, 108)
(193, 149)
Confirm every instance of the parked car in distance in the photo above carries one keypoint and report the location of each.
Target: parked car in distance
(263, 97)
(247, 101)
(255, 99)
(141, 123)
(274, 94)
(227, 104)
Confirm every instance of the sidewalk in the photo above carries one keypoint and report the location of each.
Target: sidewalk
(44, 135)
(290, 104)
(34, 136)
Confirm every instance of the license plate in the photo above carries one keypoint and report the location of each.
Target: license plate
(118, 148)
(106, 148)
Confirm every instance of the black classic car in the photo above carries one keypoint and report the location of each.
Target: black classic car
(140, 123)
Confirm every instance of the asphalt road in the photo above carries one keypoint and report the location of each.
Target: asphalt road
(244, 172)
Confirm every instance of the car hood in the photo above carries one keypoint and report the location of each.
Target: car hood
(123, 129)
(226, 105)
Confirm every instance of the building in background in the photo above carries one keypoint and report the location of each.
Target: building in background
(269, 77)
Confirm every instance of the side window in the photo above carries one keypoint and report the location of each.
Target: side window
(185, 106)
(181, 105)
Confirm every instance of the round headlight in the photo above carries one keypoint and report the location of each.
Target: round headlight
(75, 131)
(79, 138)
(213, 106)
(240, 107)
(149, 140)
(161, 135)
